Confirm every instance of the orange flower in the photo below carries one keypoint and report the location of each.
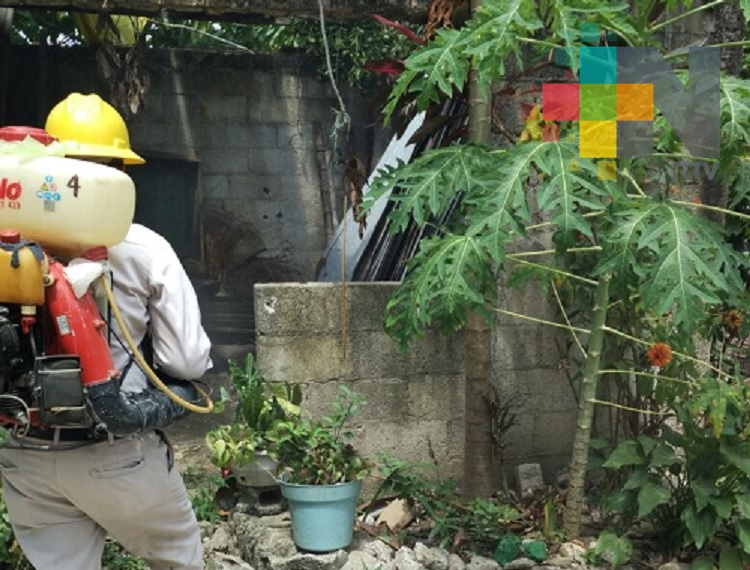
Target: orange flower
(733, 319)
(659, 354)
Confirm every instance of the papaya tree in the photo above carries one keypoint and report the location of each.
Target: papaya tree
(643, 242)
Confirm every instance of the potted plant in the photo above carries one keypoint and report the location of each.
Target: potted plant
(242, 447)
(321, 475)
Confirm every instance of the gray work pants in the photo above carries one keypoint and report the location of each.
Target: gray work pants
(63, 504)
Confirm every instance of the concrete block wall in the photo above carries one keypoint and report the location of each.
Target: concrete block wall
(250, 121)
(415, 400)
(247, 119)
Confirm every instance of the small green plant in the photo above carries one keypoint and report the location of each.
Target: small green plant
(484, 522)
(692, 485)
(319, 452)
(610, 549)
(11, 555)
(115, 557)
(261, 405)
(204, 487)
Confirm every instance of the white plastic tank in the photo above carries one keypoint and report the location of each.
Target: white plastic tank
(66, 205)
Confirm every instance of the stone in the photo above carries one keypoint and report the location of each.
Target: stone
(207, 528)
(560, 561)
(455, 562)
(379, 550)
(221, 540)
(359, 560)
(305, 561)
(529, 478)
(396, 515)
(520, 564)
(431, 558)
(259, 541)
(572, 550)
(482, 563)
(406, 559)
(222, 561)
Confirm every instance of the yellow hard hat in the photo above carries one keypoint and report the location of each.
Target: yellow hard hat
(92, 128)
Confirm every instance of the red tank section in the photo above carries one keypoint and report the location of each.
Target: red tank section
(76, 328)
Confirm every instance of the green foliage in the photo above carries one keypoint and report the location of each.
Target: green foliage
(319, 452)
(117, 558)
(351, 44)
(681, 260)
(11, 555)
(611, 549)
(203, 487)
(261, 405)
(483, 521)
(693, 485)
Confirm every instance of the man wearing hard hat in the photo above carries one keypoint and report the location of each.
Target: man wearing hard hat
(64, 503)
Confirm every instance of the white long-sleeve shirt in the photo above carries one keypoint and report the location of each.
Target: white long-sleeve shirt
(155, 294)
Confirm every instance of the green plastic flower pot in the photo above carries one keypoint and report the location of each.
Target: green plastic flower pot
(322, 515)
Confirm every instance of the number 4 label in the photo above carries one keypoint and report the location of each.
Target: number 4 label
(73, 183)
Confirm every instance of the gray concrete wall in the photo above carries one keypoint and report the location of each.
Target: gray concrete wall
(415, 405)
(246, 119)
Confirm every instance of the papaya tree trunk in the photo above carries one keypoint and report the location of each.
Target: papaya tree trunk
(579, 462)
(477, 479)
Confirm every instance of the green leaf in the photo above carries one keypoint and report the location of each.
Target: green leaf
(702, 525)
(651, 495)
(621, 501)
(722, 505)
(493, 34)
(647, 443)
(681, 261)
(615, 549)
(663, 456)
(702, 563)
(738, 455)
(627, 453)
(429, 183)
(745, 5)
(743, 504)
(446, 279)
(636, 479)
(735, 111)
(566, 194)
(730, 558)
(742, 528)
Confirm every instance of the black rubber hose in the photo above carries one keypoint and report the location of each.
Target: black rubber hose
(122, 414)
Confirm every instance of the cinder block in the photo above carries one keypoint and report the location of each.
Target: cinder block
(218, 161)
(548, 391)
(435, 397)
(386, 398)
(270, 110)
(184, 111)
(302, 358)
(215, 186)
(554, 433)
(299, 136)
(255, 188)
(373, 354)
(285, 309)
(267, 161)
(527, 347)
(232, 108)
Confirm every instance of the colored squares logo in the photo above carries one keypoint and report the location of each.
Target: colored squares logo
(614, 119)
